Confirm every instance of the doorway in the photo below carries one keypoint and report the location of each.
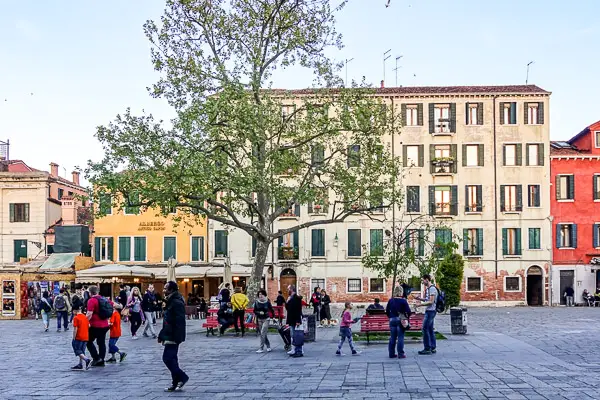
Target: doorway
(567, 279)
(287, 278)
(20, 250)
(535, 293)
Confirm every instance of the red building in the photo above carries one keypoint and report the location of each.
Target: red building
(575, 209)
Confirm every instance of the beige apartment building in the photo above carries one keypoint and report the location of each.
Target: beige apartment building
(475, 161)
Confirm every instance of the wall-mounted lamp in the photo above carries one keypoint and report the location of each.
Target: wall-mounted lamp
(136, 280)
(186, 280)
(236, 278)
(336, 240)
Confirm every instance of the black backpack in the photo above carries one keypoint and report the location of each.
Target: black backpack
(105, 309)
(440, 304)
(45, 306)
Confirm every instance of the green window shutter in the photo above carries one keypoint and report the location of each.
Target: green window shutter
(541, 156)
(519, 197)
(479, 113)
(502, 122)
(354, 245)
(527, 161)
(26, 212)
(480, 155)
(518, 242)
(480, 242)
(454, 155)
(111, 254)
(479, 198)
(221, 243)
(540, 113)
(466, 241)
(295, 239)
(195, 248)
(519, 154)
(431, 118)
(431, 157)
(403, 116)
(170, 248)
(513, 113)
(376, 242)
(504, 155)
(421, 242)
(431, 200)
(454, 200)
(139, 249)
(405, 156)
(595, 235)
(531, 239)
(96, 249)
(318, 243)
(452, 117)
(467, 114)
(254, 245)
(504, 241)
(297, 210)
(537, 196)
(464, 153)
(11, 208)
(558, 236)
(574, 236)
(557, 187)
(124, 249)
(571, 181)
(526, 113)
(421, 155)
(502, 205)
(595, 184)
(420, 114)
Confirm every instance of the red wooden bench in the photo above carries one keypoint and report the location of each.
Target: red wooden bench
(381, 323)
(212, 321)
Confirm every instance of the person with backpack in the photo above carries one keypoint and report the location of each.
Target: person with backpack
(262, 310)
(398, 312)
(99, 311)
(62, 306)
(45, 309)
(430, 301)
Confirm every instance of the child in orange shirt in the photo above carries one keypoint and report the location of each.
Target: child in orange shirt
(115, 334)
(81, 327)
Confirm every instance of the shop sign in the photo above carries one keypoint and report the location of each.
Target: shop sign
(8, 298)
(152, 226)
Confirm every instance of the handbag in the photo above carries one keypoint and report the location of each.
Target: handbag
(125, 312)
(298, 337)
(404, 321)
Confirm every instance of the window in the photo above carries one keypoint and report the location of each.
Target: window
(512, 284)
(353, 156)
(354, 285)
(511, 241)
(443, 236)
(412, 115)
(70, 194)
(535, 242)
(535, 154)
(288, 246)
(293, 211)
(61, 193)
(134, 198)
(354, 243)
(534, 113)
(318, 243)
(376, 243)
(474, 113)
(198, 248)
(473, 197)
(508, 113)
(596, 235)
(533, 195)
(442, 118)
(565, 187)
(566, 236)
(221, 243)
(413, 199)
(317, 155)
(512, 155)
(473, 242)
(413, 156)
(103, 249)
(597, 136)
(169, 210)
(19, 212)
(443, 158)
(474, 284)
(105, 204)
(129, 253)
(320, 205)
(125, 249)
(416, 240)
(316, 283)
(287, 111)
(596, 185)
(511, 198)
(473, 155)
(169, 248)
(443, 200)
(376, 285)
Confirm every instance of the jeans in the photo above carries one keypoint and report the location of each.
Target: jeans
(72, 316)
(239, 315)
(172, 362)
(346, 333)
(263, 328)
(99, 335)
(396, 343)
(136, 322)
(149, 325)
(62, 316)
(570, 301)
(297, 349)
(46, 319)
(225, 323)
(428, 332)
(112, 345)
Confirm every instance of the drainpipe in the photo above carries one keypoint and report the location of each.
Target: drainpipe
(495, 188)
(393, 188)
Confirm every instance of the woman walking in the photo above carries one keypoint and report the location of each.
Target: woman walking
(136, 316)
(46, 309)
(325, 310)
(262, 308)
(398, 311)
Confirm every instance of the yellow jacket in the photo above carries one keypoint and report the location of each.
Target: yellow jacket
(239, 301)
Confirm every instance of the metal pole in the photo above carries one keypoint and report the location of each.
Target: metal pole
(386, 56)
(396, 69)
(527, 78)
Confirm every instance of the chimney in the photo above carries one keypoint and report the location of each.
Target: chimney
(382, 85)
(54, 170)
(75, 177)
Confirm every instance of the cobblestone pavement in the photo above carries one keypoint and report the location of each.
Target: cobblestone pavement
(516, 353)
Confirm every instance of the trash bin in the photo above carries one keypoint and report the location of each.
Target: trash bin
(458, 320)
(309, 323)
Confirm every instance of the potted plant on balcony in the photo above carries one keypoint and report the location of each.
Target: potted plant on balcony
(317, 208)
(442, 163)
(287, 252)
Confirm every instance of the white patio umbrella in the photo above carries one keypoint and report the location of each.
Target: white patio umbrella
(171, 270)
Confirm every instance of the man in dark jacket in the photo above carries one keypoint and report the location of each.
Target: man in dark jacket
(294, 318)
(122, 296)
(172, 334)
(148, 306)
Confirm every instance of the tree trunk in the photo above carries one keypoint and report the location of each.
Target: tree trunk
(258, 267)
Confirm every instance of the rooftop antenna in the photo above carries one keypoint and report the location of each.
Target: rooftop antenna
(347, 61)
(396, 69)
(527, 78)
(386, 56)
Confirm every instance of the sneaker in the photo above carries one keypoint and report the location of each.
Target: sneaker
(425, 352)
(87, 364)
(146, 335)
(46, 330)
(260, 351)
(77, 367)
(291, 352)
(355, 353)
(154, 336)
(181, 384)
(268, 349)
(58, 330)
(338, 353)
(134, 337)
(111, 360)
(171, 388)
(297, 355)
(394, 356)
(98, 363)
(402, 356)
(433, 351)
(122, 357)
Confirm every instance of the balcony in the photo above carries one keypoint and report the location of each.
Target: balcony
(442, 209)
(288, 253)
(473, 252)
(442, 126)
(474, 208)
(511, 208)
(442, 165)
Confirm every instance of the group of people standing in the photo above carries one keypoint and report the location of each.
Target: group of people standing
(141, 309)
(320, 302)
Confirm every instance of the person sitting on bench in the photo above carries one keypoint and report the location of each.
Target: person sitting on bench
(225, 317)
(375, 308)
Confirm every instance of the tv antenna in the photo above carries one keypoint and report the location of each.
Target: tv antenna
(386, 56)
(397, 68)
(527, 78)
(346, 64)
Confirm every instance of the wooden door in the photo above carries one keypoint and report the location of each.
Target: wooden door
(284, 282)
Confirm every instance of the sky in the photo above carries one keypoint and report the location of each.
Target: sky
(67, 67)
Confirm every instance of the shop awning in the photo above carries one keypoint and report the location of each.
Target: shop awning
(236, 270)
(184, 271)
(115, 270)
(59, 262)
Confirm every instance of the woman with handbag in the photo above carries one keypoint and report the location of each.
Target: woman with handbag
(136, 316)
(398, 311)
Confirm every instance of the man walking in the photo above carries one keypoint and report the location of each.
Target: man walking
(570, 296)
(148, 306)
(429, 301)
(62, 306)
(172, 335)
(294, 318)
(97, 312)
